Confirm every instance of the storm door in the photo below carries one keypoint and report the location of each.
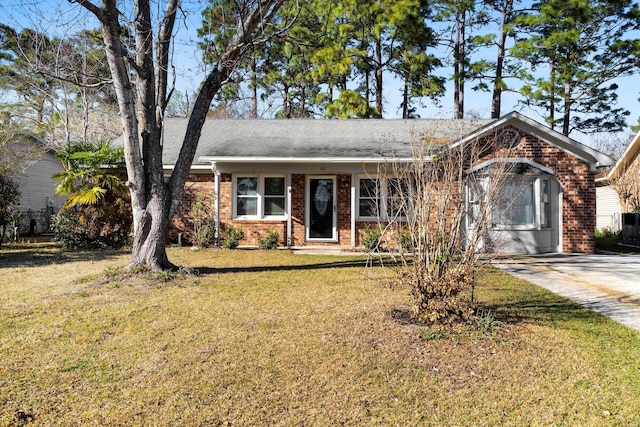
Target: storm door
(321, 208)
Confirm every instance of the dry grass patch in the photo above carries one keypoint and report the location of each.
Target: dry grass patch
(273, 338)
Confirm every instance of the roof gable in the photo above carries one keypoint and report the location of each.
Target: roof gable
(593, 157)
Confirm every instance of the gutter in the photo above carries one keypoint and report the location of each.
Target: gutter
(340, 160)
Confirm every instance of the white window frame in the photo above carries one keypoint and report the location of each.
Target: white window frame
(527, 184)
(360, 178)
(545, 203)
(383, 198)
(538, 202)
(475, 194)
(260, 196)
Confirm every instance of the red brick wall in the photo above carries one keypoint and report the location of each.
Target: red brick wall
(254, 230)
(182, 221)
(578, 187)
(297, 209)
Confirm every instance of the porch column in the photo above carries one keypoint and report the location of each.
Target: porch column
(216, 189)
(353, 210)
(288, 239)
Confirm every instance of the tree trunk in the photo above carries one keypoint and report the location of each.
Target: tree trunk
(153, 202)
(552, 100)
(566, 114)
(459, 66)
(149, 242)
(378, 77)
(405, 100)
(496, 98)
(126, 105)
(254, 84)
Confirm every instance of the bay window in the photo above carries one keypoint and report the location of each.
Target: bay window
(522, 202)
(515, 205)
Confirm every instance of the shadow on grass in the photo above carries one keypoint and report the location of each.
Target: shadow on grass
(297, 267)
(545, 309)
(39, 255)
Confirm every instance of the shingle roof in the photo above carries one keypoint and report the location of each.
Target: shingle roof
(338, 139)
(628, 157)
(235, 140)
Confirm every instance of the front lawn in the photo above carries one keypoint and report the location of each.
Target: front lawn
(270, 338)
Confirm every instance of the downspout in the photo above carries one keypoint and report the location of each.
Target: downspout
(216, 189)
(289, 240)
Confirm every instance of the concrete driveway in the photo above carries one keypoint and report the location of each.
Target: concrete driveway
(608, 284)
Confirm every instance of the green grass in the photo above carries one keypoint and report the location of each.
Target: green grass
(612, 244)
(269, 338)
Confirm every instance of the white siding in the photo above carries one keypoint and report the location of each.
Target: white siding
(37, 188)
(607, 208)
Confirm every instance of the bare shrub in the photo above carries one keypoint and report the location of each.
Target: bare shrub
(437, 213)
(203, 212)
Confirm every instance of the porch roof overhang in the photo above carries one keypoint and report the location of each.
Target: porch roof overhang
(305, 160)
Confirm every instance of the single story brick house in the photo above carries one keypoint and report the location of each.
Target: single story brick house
(308, 180)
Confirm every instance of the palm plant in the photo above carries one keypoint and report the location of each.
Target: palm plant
(92, 170)
(95, 192)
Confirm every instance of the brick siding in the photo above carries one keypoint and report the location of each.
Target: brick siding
(577, 184)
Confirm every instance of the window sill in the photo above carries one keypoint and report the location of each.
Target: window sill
(259, 218)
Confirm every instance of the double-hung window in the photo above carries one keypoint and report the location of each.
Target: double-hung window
(397, 198)
(369, 198)
(475, 195)
(545, 204)
(382, 198)
(259, 196)
(274, 196)
(247, 196)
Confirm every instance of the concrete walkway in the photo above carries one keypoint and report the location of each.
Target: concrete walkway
(607, 284)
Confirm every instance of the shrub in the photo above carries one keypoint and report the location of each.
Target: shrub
(405, 240)
(234, 235)
(372, 240)
(68, 230)
(203, 213)
(607, 232)
(86, 229)
(9, 196)
(270, 241)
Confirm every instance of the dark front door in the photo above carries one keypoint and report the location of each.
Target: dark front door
(321, 209)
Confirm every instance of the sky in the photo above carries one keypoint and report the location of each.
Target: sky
(60, 17)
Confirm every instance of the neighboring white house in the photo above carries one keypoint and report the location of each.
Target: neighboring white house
(37, 192)
(609, 207)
